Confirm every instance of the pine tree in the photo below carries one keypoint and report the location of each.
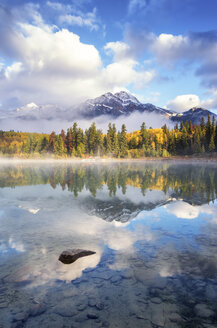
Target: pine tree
(59, 146)
(114, 140)
(80, 143)
(74, 136)
(190, 130)
(109, 139)
(202, 124)
(184, 139)
(63, 136)
(208, 131)
(197, 142)
(123, 145)
(181, 126)
(215, 139)
(69, 141)
(144, 137)
(42, 145)
(212, 144)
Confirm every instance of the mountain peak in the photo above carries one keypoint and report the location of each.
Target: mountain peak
(196, 108)
(126, 97)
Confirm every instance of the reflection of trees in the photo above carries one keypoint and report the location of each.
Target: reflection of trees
(191, 182)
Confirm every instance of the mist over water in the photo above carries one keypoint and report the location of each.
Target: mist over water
(153, 227)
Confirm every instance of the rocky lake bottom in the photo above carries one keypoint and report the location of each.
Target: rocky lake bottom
(153, 228)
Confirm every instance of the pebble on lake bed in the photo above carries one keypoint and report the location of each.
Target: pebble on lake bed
(71, 255)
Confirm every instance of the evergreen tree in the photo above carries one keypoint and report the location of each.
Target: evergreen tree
(202, 124)
(197, 148)
(215, 139)
(144, 137)
(212, 144)
(109, 139)
(69, 141)
(59, 146)
(74, 136)
(123, 141)
(184, 139)
(63, 136)
(208, 131)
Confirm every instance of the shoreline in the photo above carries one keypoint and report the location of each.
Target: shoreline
(98, 160)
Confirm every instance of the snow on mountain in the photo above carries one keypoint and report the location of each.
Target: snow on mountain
(114, 105)
(120, 103)
(32, 111)
(194, 115)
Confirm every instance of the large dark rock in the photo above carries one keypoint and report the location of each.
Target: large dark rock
(71, 255)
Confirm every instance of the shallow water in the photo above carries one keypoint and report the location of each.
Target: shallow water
(153, 228)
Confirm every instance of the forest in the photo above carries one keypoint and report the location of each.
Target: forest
(184, 139)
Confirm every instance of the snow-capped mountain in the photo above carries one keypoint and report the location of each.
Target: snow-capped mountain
(114, 105)
(194, 115)
(120, 103)
(32, 111)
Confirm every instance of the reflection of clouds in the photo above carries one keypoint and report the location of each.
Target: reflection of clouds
(55, 269)
(183, 210)
(60, 224)
(211, 211)
(89, 232)
(19, 247)
(30, 210)
(11, 245)
(71, 272)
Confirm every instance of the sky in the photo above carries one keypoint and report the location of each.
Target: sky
(63, 52)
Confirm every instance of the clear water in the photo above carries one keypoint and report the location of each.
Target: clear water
(153, 228)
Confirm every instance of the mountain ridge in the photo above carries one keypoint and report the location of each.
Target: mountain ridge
(114, 105)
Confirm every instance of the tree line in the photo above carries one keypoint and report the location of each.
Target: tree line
(184, 139)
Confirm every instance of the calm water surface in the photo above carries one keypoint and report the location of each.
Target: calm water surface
(153, 228)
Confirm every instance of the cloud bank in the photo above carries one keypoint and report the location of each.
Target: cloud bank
(52, 65)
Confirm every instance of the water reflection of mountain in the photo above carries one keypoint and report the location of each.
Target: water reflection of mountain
(196, 184)
(123, 208)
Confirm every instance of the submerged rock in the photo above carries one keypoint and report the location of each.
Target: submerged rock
(65, 310)
(203, 311)
(71, 255)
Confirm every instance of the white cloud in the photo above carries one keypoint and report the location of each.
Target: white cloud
(197, 50)
(125, 69)
(183, 102)
(13, 70)
(120, 50)
(54, 66)
(71, 14)
(211, 102)
(88, 19)
(124, 73)
(169, 48)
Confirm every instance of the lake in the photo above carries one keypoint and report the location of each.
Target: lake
(152, 225)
